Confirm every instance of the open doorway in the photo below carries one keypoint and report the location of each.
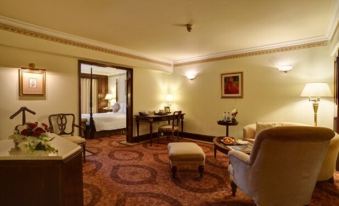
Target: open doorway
(105, 99)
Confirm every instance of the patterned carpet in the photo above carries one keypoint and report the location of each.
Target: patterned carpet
(118, 174)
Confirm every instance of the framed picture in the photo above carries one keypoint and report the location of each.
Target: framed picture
(167, 109)
(32, 82)
(232, 85)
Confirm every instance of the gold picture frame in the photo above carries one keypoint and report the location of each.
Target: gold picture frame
(232, 85)
(32, 82)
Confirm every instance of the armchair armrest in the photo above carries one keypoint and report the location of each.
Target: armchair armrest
(237, 156)
(240, 169)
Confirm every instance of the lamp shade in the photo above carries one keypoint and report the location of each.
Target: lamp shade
(169, 98)
(316, 90)
(108, 96)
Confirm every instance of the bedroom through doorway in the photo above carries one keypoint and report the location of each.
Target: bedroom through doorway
(105, 99)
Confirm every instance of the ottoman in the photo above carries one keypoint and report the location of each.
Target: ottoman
(184, 154)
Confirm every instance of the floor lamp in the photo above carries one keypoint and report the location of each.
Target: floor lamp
(314, 91)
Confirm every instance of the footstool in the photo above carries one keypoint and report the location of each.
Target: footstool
(186, 153)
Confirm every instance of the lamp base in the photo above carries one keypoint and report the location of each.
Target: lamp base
(315, 110)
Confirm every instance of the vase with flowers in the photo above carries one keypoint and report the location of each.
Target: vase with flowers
(32, 137)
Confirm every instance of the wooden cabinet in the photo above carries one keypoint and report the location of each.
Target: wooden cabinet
(42, 182)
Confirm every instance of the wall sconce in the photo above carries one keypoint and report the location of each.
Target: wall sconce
(191, 75)
(285, 68)
(169, 99)
(314, 91)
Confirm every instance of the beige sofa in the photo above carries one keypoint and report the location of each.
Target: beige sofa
(329, 164)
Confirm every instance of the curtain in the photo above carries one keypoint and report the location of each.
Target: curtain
(85, 92)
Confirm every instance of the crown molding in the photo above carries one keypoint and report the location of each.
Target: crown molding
(20, 27)
(254, 51)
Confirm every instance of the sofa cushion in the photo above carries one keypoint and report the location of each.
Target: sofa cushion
(260, 126)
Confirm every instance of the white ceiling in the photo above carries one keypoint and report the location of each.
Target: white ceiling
(150, 26)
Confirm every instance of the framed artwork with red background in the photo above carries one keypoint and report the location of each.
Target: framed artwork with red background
(232, 85)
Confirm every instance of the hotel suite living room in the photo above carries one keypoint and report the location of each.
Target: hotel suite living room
(170, 102)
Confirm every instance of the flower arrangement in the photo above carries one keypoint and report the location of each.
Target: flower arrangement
(32, 137)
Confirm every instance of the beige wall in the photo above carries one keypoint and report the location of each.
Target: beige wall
(61, 63)
(269, 95)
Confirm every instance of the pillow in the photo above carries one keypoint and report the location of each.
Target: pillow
(122, 107)
(116, 107)
(260, 126)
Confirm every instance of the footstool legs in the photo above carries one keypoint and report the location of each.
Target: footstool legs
(201, 170)
(174, 171)
(186, 153)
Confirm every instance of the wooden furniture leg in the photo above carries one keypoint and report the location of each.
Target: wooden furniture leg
(201, 170)
(234, 188)
(174, 171)
(84, 151)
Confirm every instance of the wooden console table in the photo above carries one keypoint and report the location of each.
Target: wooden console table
(156, 118)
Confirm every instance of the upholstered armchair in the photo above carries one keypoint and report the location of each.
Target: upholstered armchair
(283, 166)
(329, 165)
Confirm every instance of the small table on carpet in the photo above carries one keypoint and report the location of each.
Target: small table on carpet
(224, 148)
(227, 124)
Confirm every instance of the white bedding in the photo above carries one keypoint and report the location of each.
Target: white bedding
(108, 120)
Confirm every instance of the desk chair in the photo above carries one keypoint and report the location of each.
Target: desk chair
(173, 126)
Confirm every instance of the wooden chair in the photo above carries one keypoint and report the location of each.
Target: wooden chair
(173, 125)
(63, 125)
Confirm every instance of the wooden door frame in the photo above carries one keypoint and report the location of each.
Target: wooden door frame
(129, 93)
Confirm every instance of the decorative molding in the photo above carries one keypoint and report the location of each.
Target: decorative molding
(15, 26)
(20, 27)
(249, 52)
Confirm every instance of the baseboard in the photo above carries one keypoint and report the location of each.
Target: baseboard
(144, 137)
(194, 136)
(202, 137)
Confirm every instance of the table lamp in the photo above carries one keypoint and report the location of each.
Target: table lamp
(169, 99)
(314, 91)
(109, 98)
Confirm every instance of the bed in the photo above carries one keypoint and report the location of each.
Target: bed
(107, 121)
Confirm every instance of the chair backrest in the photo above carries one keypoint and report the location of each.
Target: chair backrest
(62, 124)
(176, 118)
(285, 163)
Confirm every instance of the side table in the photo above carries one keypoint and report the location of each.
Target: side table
(227, 124)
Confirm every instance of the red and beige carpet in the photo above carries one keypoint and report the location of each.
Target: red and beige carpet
(119, 174)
